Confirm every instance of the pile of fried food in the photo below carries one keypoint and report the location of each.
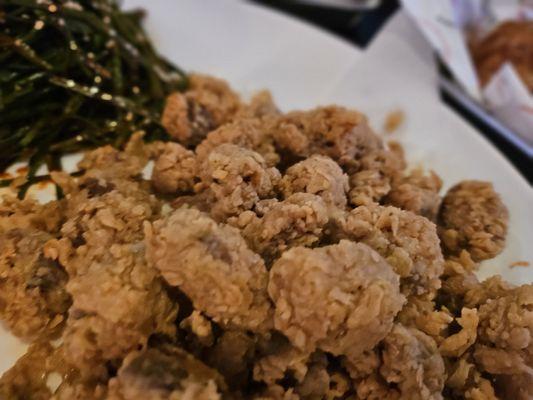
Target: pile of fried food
(265, 256)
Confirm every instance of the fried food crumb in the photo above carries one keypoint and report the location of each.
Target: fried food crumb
(393, 121)
(520, 264)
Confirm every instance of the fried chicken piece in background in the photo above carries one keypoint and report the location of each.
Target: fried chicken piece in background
(297, 221)
(207, 104)
(407, 241)
(175, 170)
(333, 131)
(250, 133)
(473, 217)
(213, 266)
(374, 174)
(318, 175)
(417, 192)
(237, 178)
(260, 106)
(329, 297)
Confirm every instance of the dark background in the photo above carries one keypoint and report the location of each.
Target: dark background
(360, 27)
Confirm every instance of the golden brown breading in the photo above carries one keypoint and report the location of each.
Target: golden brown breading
(466, 382)
(207, 104)
(117, 304)
(111, 164)
(215, 96)
(175, 118)
(473, 217)
(343, 135)
(368, 186)
(166, 372)
(418, 193)
(318, 175)
(237, 178)
(33, 299)
(314, 376)
(118, 300)
(363, 365)
(213, 266)
(422, 314)
(411, 368)
(260, 105)
(496, 337)
(455, 345)
(460, 287)
(250, 133)
(505, 345)
(371, 182)
(297, 221)
(330, 297)
(28, 213)
(491, 288)
(410, 361)
(321, 382)
(408, 242)
(175, 170)
(274, 367)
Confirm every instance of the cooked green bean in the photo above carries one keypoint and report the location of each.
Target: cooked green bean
(75, 75)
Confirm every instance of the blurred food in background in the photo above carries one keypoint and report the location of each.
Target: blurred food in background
(487, 46)
(510, 41)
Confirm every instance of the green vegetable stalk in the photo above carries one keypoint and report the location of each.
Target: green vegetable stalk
(76, 74)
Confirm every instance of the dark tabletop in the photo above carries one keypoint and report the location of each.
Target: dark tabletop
(360, 27)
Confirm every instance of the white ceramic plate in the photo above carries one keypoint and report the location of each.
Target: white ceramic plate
(254, 48)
